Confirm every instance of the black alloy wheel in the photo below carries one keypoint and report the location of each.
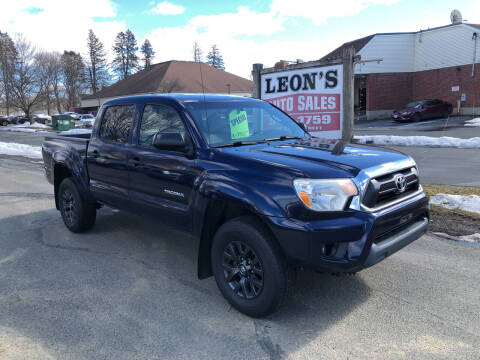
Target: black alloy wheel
(243, 270)
(69, 207)
(249, 266)
(78, 214)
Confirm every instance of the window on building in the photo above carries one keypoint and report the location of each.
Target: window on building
(158, 118)
(117, 122)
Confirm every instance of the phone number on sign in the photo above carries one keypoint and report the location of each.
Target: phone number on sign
(319, 122)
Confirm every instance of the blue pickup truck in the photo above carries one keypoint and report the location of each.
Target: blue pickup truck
(263, 196)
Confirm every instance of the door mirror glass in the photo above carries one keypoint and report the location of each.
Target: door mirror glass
(169, 140)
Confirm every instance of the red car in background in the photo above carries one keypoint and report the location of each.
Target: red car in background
(423, 110)
(4, 120)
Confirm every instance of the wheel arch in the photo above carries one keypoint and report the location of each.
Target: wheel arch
(217, 213)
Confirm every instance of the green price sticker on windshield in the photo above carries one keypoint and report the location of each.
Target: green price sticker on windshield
(238, 124)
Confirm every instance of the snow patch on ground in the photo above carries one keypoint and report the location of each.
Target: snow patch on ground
(444, 141)
(27, 127)
(473, 238)
(77, 131)
(473, 122)
(468, 203)
(16, 149)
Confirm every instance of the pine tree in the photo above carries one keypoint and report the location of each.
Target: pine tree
(97, 71)
(197, 53)
(73, 70)
(148, 53)
(215, 59)
(125, 49)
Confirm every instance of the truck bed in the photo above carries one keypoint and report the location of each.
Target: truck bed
(70, 147)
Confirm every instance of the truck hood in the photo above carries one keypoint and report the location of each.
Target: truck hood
(315, 158)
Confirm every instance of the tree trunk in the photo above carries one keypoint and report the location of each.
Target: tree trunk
(48, 102)
(57, 98)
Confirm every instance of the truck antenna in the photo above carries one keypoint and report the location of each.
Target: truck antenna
(204, 102)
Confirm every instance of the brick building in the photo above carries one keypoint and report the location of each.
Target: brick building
(438, 63)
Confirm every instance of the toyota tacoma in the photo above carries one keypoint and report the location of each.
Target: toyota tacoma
(263, 196)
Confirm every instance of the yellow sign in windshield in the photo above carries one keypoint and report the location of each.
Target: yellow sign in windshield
(238, 124)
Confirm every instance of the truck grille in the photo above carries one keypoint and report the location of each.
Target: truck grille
(385, 189)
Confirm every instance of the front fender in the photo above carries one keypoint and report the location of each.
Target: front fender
(240, 194)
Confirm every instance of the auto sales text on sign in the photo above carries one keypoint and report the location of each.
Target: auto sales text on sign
(312, 96)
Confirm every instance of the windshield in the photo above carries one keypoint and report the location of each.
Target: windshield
(233, 122)
(413, 104)
(87, 117)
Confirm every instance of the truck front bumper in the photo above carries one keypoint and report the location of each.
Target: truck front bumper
(355, 239)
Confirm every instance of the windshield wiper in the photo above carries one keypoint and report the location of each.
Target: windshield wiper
(284, 138)
(240, 143)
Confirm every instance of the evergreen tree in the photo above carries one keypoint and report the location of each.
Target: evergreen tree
(73, 70)
(125, 49)
(148, 53)
(96, 64)
(215, 59)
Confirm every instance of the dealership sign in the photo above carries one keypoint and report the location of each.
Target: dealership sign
(312, 96)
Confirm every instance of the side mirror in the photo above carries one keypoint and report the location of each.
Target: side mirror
(172, 140)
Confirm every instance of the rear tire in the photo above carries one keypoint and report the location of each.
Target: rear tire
(4, 123)
(78, 214)
(249, 267)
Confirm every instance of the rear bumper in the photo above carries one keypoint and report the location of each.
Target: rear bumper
(353, 241)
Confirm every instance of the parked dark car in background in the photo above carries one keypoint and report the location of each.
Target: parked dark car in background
(40, 119)
(20, 120)
(423, 110)
(4, 120)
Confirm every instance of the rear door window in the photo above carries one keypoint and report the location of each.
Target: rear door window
(117, 123)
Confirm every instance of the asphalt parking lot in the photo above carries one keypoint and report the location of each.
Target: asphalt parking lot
(128, 290)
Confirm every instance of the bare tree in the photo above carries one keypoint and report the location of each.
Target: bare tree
(48, 67)
(148, 53)
(8, 55)
(125, 49)
(25, 86)
(57, 79)
(73, 76)
(197, 53)
(96, 64)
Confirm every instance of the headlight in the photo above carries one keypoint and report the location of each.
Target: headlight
(325, 194)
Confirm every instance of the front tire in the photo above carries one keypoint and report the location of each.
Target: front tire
(77, 213)
(417, 117)
(249, 267)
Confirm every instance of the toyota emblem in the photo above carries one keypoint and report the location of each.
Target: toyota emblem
(400, 183)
